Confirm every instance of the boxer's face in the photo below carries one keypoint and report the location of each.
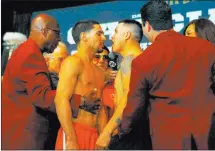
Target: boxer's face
(118, 40)
(95, 38)
(190, 31)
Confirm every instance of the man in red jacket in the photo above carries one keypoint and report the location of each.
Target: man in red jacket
(172, 77)
(27, 95)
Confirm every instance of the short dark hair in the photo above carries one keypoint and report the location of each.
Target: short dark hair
(137, 28)
(106, 48)
(158, 13)
(204, 29)
(82, 26)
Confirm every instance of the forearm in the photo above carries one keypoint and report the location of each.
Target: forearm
(102, 119)
(65, 117)
(115, 119)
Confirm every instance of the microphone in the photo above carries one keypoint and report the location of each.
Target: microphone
(112, 61)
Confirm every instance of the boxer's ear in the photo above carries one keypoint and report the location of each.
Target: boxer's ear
(83, 36)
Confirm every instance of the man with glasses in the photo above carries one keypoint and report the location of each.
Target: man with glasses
(27, 95)
(79, 78)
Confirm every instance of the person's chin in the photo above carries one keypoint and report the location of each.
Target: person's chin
(100, 66)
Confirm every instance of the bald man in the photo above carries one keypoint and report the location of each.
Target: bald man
(27, 95)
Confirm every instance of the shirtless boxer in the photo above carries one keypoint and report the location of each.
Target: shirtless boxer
(126, 42)
(79, 78)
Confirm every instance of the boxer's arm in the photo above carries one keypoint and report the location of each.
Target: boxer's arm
(102, 118)
(137, 98)
(105, 137)
(68, 76)
(117, 116)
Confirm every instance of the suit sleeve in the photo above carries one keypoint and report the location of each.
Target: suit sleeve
(36, 78)
(137, 97)
(213, 77)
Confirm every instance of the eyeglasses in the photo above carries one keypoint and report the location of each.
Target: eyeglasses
(57, 31)
(102, 56)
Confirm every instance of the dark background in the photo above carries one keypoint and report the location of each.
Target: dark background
(16, 14)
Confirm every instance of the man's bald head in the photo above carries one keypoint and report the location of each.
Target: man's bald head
(42, 21)
(45, 32)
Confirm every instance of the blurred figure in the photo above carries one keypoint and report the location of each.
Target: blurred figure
(126, 42)
(171, 80)
(53, 61)
(27, 95)
(11, 41)
(202, 28)
(205, 29)
(101, 60)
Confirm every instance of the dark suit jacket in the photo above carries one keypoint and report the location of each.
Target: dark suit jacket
(53, 119)
(173, 77)
(27, 96)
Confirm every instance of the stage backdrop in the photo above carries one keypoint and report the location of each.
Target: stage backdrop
(109, 13)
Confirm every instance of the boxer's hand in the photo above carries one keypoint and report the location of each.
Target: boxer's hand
(71, 145)
(103, 141)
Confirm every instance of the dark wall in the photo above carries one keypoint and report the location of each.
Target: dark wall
(15, 13)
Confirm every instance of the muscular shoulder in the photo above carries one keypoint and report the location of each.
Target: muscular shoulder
(72, 63)
(73, 59)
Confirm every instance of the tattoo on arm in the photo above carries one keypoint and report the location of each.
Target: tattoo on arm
(118, 120)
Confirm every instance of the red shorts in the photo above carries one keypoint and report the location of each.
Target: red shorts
(86, 137)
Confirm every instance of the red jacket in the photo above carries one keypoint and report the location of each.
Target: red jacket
(173, 75)
(27, 97)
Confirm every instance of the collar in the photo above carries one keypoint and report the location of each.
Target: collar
(165, 34)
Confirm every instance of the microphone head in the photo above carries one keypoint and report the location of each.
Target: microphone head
(111, 55)
(112, 61)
